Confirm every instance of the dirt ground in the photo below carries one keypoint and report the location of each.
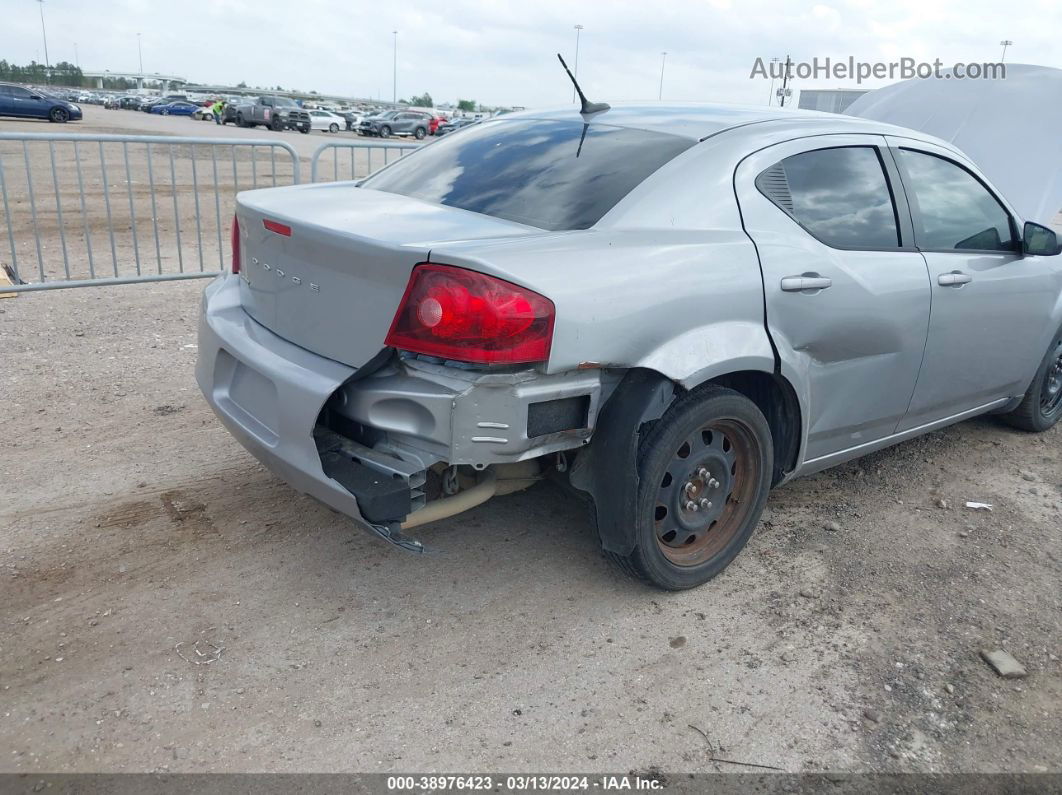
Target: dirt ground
(132, 527)
(166, 604)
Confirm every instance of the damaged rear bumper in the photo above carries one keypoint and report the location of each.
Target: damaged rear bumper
(364, 446)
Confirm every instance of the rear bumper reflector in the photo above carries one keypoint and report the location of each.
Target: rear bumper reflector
(280, 229)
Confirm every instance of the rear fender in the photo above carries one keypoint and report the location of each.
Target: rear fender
(704, 353)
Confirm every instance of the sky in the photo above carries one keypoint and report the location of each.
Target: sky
(502, 53)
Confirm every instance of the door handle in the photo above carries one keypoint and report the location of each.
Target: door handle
(954, 279)
(805, 281)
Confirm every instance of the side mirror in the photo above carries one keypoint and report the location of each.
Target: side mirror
(1039, 240)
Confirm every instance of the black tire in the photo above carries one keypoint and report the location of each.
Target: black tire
(1041, 408)
(385, 132)
(333, 128)
(305, 129)
(712, 449)
(277, 124)
(59, 115)
(420, 133)
(239, 120)
(165, 112)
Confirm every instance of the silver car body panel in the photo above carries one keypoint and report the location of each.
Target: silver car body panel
(267, 392)
(681, 277)
(853, 350)
(988, 337)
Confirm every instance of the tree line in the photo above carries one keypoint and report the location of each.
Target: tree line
(62, 73)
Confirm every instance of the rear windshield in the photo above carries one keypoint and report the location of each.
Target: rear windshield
(540, 173)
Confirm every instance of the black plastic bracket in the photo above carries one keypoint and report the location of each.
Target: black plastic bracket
(612, 469)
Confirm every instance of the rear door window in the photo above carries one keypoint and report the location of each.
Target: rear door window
(840, 196)
(544, 173)
(954, 210)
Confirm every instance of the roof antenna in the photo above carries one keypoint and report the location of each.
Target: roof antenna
(588, 108)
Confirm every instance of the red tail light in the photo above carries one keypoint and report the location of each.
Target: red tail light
(471, 317)
(235, 245)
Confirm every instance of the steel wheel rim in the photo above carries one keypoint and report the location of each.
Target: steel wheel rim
(706, 493)
(1051, 392)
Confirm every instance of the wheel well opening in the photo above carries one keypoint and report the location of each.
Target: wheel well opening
(775, 397)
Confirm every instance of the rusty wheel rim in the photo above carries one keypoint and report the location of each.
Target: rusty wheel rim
(707, 491)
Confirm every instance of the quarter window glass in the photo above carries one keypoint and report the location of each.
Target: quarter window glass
(839, 195)
(956, 210)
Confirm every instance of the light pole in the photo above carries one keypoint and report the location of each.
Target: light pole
(770, 97)
(140, 52)
(44, 35)
(578, 30)
(394, 71)
(1006, 43)
(663, 60)
(77, 61)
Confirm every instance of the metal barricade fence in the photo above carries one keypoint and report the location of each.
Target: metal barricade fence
(88, 210)
(361, 159)
(84, 210)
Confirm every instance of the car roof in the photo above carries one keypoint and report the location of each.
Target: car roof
(702, 120)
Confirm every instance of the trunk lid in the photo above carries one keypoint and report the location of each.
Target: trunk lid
(334, 284)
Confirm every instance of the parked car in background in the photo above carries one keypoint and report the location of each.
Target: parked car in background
(179, 108)
(326, 121)
(365, 126)
(277, 113)
(433, 125)
(112, 103)
(149, 103)
(28, 103)
(786, 291)
(454, 124)
(401, 122)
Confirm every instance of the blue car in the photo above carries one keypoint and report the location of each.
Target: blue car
(28, 103)
(175, 109)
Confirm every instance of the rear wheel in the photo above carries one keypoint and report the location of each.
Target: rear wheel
(1041, 408)
(59, 115)
(333, 127)
(704, 476)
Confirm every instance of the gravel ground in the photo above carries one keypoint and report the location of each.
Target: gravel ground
(132, 528)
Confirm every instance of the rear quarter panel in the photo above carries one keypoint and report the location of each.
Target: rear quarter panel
(686, 303)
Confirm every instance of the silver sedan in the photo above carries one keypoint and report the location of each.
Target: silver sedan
(675, 307)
